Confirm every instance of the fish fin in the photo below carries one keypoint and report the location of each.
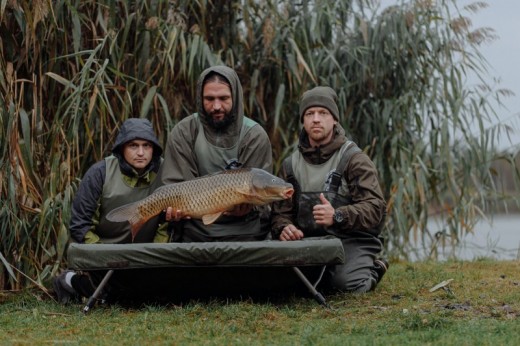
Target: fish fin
(243, 190)
(130, 213)
(135, 228)
(208, 219)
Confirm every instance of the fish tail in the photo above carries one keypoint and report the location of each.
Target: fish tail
(128, 212)
(131, 213)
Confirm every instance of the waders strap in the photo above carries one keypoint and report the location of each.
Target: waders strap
(338, 172)
(287, 165)
(335, 180)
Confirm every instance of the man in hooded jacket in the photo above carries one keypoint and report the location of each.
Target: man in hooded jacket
(126, 176)
(337, 193)
(219, 136)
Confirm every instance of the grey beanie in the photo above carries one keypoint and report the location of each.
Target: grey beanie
(320, 96)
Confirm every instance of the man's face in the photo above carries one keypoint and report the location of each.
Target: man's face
(319, 125)
(217, 102)
(138, 153)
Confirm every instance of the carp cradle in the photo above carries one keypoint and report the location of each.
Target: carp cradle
(177, 271)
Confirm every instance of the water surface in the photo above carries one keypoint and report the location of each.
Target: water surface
(497, 238)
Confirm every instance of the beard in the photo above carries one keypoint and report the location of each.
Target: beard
(222, 124)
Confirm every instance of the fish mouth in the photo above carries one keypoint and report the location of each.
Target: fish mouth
(288, 193)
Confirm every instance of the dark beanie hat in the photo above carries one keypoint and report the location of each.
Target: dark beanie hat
(321, 96)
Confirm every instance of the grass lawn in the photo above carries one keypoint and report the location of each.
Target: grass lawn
(481, 307)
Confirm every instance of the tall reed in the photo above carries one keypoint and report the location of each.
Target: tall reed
(72, 71)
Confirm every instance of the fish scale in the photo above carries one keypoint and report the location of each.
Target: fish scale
(203, 198)
(206, 197)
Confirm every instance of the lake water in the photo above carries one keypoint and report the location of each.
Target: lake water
(498, 238)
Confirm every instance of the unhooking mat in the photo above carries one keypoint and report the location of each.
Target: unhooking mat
(187, 270)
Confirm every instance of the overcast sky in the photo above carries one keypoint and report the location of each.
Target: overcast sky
(503, 56)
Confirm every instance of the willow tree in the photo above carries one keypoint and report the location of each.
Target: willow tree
(72, 71)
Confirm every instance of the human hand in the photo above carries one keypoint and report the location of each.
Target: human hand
(323, 213)
(175, 215)
(240, 210)
(290, 232)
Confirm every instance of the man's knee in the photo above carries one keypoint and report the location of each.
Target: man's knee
(344, 283)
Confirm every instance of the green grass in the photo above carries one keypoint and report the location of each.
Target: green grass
(483, 308)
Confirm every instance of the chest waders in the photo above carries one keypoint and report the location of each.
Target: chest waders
(115, 194)
(310, 181)
(211, 159)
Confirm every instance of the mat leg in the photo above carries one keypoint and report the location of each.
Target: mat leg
(317, 295)
(97, 292)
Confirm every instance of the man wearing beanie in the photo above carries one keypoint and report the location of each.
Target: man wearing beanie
(337, 193)
(126, 176)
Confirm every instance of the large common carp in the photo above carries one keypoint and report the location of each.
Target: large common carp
(206, 197)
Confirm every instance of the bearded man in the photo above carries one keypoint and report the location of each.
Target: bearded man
(219, 136)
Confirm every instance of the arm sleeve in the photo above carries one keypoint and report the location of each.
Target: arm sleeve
(368, 206)
(86, 201)
(91, 238)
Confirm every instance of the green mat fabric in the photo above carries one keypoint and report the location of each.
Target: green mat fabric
(270, 253)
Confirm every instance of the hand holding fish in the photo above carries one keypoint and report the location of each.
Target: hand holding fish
(178, 215)
(175, 215)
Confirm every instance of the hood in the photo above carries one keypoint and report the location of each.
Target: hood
(320, 154)
(228, 136)
(137, 128)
